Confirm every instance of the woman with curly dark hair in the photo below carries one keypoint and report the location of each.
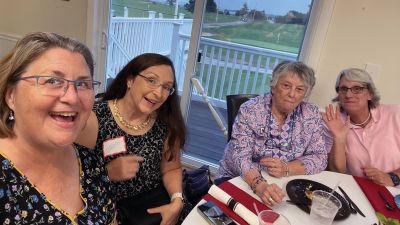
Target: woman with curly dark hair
(139, 130)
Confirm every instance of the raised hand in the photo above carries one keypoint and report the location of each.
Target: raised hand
(335, 124)
(124, 167)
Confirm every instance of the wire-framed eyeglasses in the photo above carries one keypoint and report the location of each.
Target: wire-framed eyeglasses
(58, 86)
(154, 84)
(354, 90)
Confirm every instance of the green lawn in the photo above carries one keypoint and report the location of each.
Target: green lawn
(221, 18)
(281, 37)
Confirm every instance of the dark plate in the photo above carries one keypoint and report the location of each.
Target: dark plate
(296, 191)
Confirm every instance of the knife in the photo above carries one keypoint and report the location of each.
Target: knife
(351, 202)
(387, 203)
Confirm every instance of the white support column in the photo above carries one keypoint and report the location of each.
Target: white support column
(192, 56)
(176, 9)
(152, 16)
(175, 42)
(126, 11)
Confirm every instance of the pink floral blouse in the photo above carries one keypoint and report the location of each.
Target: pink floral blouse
(255, 134)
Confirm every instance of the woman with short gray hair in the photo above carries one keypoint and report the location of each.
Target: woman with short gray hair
(278, 132)
(366, 134)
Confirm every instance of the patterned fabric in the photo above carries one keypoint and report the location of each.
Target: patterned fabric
(376, 145)
(22, 203)
(148, 145)
(256, 134)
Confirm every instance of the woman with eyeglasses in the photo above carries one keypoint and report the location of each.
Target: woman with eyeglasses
(47, 93)
(139, 130)
(366, 134)
(279, 133)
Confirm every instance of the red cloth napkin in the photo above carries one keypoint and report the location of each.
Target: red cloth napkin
(241, 197)
(370, 190)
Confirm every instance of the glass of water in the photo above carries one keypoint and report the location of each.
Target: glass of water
(324, 207)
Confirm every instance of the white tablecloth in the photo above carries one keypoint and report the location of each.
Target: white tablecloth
(297, 216)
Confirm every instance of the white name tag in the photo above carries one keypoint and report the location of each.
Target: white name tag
(114, 146)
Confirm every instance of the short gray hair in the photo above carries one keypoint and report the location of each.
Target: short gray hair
(28, 49)
(304, 72)
(361, 76)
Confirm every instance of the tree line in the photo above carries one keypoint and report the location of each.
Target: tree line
(291, 17)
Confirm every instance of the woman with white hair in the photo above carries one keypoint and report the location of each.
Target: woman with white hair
(279, 132)
(366, 134)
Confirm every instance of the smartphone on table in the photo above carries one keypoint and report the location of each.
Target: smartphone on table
(214, 215)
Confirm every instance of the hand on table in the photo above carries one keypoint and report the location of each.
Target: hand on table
(169, 212)
(275, 167)
(270, 194)
(378, 176)
(124, 167)
(332, 119)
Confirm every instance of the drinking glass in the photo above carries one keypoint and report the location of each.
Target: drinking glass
(324, 207)
(269, 217)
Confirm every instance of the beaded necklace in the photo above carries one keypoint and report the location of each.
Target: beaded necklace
(126, 124)
(363, 123)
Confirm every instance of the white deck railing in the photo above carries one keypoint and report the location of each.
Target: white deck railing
(131, 36)
(227, 68)
(224, 67)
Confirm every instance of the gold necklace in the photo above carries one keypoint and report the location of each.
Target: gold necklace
(126, 124)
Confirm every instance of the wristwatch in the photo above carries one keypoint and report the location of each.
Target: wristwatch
(395, 178)
(177, 195)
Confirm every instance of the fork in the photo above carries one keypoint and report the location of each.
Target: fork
(387, 204)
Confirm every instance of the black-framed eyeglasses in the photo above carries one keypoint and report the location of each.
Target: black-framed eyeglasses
(354, 90)
(58, 86)
(154, 84)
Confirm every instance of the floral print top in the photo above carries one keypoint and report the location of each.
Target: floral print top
(22, 203)
(148, 145)
(256, 134)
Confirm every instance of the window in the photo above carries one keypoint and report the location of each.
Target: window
(224, 67)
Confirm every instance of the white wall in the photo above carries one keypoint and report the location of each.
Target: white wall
(360, 32)
(19, 17)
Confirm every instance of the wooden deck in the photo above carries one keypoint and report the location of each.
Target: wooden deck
(205, 139)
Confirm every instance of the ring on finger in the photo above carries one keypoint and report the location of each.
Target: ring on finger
(270, 199)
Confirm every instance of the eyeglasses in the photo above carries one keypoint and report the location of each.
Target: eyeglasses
(58, 86)
(154, 83)
(354, 90)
